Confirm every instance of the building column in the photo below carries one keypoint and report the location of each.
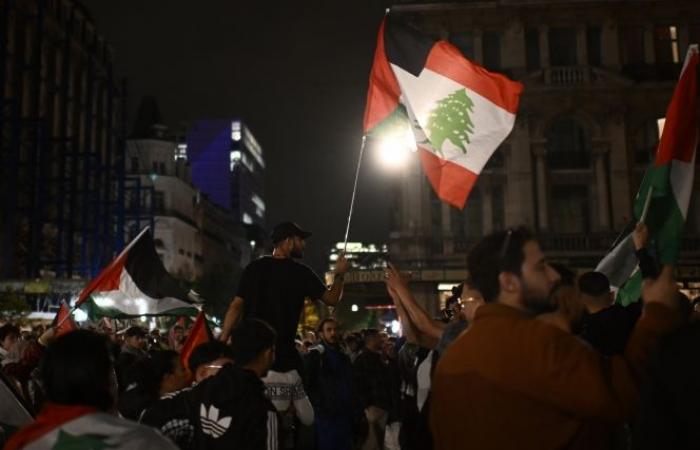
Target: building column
(447, 233)
(609, 48)
(600, 151)
(486, 208)
(544, 46)
(539, 150)
(478, 45)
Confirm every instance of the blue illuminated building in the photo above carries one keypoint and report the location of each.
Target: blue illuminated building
(228, 166)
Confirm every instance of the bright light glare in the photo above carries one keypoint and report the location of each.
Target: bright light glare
(80, 315)
(354, 308)
(395, 326)
(394, 151)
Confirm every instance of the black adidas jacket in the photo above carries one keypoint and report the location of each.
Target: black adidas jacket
(227, 411)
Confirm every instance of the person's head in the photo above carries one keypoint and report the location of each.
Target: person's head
(8, 336)
(77, 369)
(253, 345)
(509, 267)
(469, 301)
(289, 239)
(595, 291)
(168, 370)
(208, 358)
(453, 305)
(178, 333)
(695, 314)
(328, 331)
(135, 337)
(373, 340)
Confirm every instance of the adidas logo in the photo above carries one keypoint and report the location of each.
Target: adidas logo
(211, 424)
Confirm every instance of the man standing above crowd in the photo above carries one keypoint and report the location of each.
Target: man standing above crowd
(329, 373)
(515, 382)
(273, 289)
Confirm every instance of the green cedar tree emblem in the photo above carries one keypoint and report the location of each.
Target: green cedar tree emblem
(451, 121)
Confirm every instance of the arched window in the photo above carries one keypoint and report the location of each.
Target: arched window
(568, 145)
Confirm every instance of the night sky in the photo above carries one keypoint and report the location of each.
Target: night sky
(295, 72)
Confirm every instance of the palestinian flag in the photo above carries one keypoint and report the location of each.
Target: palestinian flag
(14, 412)
(135, 284)
(459, 112)
(199, 334)
(663, 198)
(63, 321)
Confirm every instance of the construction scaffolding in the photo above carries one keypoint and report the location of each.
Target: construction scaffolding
(62, 128)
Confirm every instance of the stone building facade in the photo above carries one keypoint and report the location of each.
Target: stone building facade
(598, 75)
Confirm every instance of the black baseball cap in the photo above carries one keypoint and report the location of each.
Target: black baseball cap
(287, 229)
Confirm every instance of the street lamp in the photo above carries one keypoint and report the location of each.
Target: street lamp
(394, 150)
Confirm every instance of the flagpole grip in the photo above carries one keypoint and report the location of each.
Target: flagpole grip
(354, 192)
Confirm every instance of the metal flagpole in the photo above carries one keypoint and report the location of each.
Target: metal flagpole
(354, 192)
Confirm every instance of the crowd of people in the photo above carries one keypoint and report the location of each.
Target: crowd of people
(525, 355)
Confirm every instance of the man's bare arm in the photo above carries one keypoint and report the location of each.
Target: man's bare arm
(332, 296)
(233, 315)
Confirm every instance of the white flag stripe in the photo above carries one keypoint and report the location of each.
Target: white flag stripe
(682, 182)
(492, 124)
(130, 300)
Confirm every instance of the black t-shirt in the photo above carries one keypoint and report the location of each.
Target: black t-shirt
(274, 289)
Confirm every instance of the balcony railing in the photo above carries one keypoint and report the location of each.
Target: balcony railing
(567, 76)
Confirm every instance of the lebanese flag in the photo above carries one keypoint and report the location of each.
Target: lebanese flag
(664, 195)
(459, 111)
(135, 284)
(63, 321)
(199, 334)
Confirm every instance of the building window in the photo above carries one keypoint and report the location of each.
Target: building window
(632, 43)
(666, 45)
(155, 167)
(491, 41)
(498, 208)
(162, 168)
(134, 164)
(570, 209)
(464, 41)
(693, 34)
(568, 145)
(532, 48)
(644, 141)
(562, 47)
(593, 46)
(435, 215)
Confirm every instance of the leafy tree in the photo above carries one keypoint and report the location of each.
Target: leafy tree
(451, 121)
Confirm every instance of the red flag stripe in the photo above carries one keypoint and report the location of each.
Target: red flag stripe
(451, 182)
(447, 60)
(198, 335)
(107, 280)
(63, 321)
(680, 133)
(384, 92)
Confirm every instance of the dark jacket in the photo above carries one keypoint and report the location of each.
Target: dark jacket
(228, 410)
(375, 381)
(329, 375)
